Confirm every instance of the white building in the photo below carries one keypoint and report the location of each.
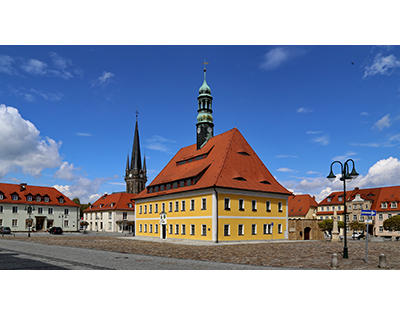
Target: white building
(112, 213)
(47, 207)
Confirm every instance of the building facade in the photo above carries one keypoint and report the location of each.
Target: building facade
(217, 189)
(41, 208)
(302, 206)
(111, 213)
(384, 200)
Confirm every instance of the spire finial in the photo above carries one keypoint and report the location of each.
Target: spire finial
(205, 69)
(137, 114)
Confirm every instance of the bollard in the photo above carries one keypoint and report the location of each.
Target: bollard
(382, 261)
(334, 261)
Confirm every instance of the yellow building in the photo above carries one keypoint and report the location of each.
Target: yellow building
(215, 190)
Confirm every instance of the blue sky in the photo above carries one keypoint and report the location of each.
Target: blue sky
(299, 107)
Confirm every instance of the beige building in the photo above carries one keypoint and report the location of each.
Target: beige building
(112, 213)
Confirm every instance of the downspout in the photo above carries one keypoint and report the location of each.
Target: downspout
(216, 215)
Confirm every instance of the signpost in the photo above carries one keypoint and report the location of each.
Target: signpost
(368, 221)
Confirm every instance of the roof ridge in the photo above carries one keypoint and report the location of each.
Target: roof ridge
(226, 155)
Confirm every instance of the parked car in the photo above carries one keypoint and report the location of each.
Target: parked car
(358, 235)
(5, 230)
(56, 230)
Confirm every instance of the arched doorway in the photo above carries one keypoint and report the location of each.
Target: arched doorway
(307, 231)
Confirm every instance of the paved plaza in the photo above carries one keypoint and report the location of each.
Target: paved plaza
(254, 255)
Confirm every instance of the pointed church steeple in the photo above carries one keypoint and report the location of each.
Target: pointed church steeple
(205, 123)
(135, 175)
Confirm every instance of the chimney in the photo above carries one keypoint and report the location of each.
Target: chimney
(23, 186)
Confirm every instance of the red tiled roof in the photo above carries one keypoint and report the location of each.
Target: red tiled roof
(7, 189)
(300, 204)
(225, 157)
(114, 201)
(330, 213)
(376, 195)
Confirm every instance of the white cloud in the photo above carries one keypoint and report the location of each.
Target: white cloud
(277, 56)
(311, 172)
(313, 132)
(22, 147)
(104, 79)
(30, 95)
(384, 172)
(285, 170)
(373, 145)
(303, 110)
(159, 143)
(345, 156)
(83, 134)
(382, 65)
(85, 189)
(383, 122)
(66, 171)
(364, 113)
(35, 67)
(322, 140)
(286, 156)
(6, 65)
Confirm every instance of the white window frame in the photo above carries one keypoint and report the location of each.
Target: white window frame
(156, 208)
(203, 203)
(145, 209)
(229, 229)
(241, 205)
(183, 229)
(14, 222)
(156, 228)
(280, 207)
(268, 206)
(145, 228)
(254, 232)
(140, 228)
(176, 229)
(150, 228)
(170, 207)
(393, 205)
(176, 206)
(240, 230)
(183, 206)
(192, 229)
(254, 205)
(170, 228)
(140, 209)
(150, 208)
(265, 229)
(192, 205)
(203, 230)
(280, 229)
(227, 206)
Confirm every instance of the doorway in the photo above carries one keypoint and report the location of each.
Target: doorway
(163, 231)
(39, 223)
(307, 231)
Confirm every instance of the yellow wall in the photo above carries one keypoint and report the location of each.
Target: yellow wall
(279, 217)
(204, 217)
(177, 217)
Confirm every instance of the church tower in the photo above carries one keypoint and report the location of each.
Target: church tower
(205, 125)
(135, 174)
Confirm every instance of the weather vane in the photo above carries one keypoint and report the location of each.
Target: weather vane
(205, 63)
(137, 114)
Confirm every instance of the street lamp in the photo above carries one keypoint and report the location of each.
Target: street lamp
(346, 175)
(29, 209)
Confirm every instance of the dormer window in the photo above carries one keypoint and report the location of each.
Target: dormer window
(329, 199)
(60, 200)
(243, 153)
(38, 198)
(14, 197)
(340, 198)
(130, 205)
(265, 182)
(239, 179)
(384, 205)
(1, 196)
(101, 205)
(28, 198)
(46, 199)
(393, 205)
(112, 204)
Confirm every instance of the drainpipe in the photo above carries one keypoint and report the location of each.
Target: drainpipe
(216, 215)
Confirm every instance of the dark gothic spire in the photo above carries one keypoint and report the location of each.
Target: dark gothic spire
(136, 160)
(144, 164)
(127, 163)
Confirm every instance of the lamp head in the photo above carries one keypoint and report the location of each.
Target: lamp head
(354, 174)
(331, 176)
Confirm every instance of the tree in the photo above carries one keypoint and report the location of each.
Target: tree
(84, 224)
(392, 224)
(81, 206)
(357, 226)
(327, 225)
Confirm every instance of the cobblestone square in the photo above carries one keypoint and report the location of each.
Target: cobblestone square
(290, 255)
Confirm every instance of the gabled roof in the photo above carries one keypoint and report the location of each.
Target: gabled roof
(226, 161)
(23, 190)
(299, 205)
(114, 201)
(376, 195)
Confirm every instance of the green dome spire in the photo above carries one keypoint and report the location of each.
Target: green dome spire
(205, 89)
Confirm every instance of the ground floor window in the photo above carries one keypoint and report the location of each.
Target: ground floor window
(145, 228)
(66, 223)
(227, 230)
(280, 228)
(204, 230)
(381, 228)
(183, 232)
(14, 222)
(265, 229)
(254, 229)
(156, 228)
(270, 228)
(140, 228)
(151, 228)
(240, 230)
(1, 222)
(192, 229)
(176, 229)
(109, 226)
(170, 229)
(101, 225)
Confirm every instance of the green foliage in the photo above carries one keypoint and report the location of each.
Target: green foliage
(327, 225)
(392, 224)
(76, 201)
(357, 226)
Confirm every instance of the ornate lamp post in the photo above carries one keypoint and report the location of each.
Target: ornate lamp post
(29, 209)
(345, 175)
